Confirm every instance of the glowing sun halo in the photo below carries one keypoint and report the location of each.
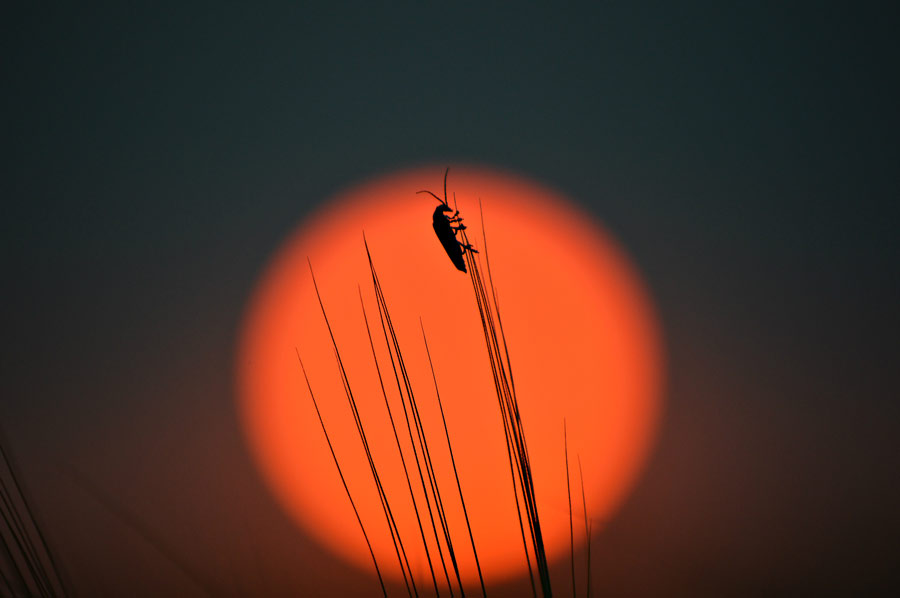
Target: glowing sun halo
(583, 341)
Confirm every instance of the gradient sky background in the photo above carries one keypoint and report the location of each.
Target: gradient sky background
(746, 157)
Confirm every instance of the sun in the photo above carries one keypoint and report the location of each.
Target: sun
(584, 345)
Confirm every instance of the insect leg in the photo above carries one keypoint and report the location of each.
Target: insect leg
(467, 247)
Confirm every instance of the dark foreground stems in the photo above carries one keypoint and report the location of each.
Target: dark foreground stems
(513, 430)
(569, 495)
(399, 447)
(517, 450)
(587, 528)
(341, 474)
(385, 503)
(431, 500)
(27, 565)
(453, 461)
(419, 443)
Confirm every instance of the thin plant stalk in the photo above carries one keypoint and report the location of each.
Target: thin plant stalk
(21, 530)
(569, 495)
(396, 435)
(410, 408)
(386, 507)
(453, 460)
(341, 474)
(587, 528)
(498, 352)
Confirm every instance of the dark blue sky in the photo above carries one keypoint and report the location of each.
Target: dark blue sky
(747, 158)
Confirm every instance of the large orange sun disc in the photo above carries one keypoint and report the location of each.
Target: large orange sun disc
(583, 342)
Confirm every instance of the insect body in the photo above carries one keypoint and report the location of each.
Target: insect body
(447, 227)
(446, 234)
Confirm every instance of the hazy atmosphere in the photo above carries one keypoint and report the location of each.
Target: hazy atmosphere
(745, 157)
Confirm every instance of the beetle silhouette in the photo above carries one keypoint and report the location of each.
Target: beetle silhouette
(447, 227)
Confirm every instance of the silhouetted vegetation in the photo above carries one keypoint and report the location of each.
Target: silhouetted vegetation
(28, 566)
(429, 505)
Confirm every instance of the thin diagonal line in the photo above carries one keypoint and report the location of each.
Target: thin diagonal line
(453, 460)
(341, 474)
(569, 495)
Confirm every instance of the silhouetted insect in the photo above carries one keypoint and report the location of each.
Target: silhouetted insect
(446, 231)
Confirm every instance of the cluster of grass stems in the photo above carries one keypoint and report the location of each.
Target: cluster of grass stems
(417, 463)
(29, 568)
(27, 565)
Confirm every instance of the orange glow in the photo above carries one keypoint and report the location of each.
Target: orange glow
(584, 345)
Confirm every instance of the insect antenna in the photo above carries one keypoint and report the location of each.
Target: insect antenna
(431, 194)
(443, 201)
(446, 172)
